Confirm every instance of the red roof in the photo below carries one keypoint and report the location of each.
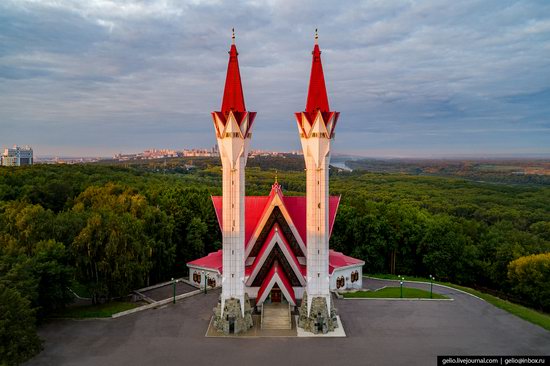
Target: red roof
(276, 269)
(338, 260)
(259, 257)
(233, 97)
(296, 207)
(255, 206)
(212, 261)
(317, 98)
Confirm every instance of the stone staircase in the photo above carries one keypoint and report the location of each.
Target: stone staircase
(276, 316)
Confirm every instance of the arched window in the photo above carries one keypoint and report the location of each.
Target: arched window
(354, 276)
(196, 277)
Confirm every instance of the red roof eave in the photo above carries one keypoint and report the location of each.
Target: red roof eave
(265, 245)
(275, 270)
(338, 260)
(213, 261)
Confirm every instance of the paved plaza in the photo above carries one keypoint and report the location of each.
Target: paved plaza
(379, 332)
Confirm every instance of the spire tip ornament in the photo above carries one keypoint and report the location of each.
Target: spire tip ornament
(233, 35)
(316, 35)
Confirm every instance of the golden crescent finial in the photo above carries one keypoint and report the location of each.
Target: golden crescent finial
(276, 180)
(316, 35)
(233, 36)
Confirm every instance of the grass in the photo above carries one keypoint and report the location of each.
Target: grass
(525, 313)
(95, 311)
(393, 293)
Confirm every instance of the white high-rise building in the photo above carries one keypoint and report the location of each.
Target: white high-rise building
(17, 156)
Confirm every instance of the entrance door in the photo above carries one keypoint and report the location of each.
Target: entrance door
(276, 295)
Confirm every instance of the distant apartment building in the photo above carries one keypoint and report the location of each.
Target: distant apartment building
(17, 156)
(166, 153)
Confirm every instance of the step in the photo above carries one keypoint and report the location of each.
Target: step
(276, 317)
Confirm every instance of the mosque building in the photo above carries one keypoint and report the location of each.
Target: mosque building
(275, 249)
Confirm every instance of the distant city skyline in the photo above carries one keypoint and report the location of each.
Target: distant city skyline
(411, 79)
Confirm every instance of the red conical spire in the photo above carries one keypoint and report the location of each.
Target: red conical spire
(233, 98)
(317, 98)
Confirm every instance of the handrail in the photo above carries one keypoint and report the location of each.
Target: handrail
(289, 317)
(262, 317)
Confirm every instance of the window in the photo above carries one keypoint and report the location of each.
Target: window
(196, 277)
(354, 276)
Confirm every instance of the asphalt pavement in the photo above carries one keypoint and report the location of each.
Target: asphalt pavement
(380, 332)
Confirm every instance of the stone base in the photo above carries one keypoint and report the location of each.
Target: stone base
(319, 320)
(233, 321)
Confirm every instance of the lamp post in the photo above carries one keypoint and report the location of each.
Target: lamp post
(204, 274)
(432, 278)
(174, 289)
(401, 283)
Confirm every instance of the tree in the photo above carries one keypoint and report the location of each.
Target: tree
(54, 276)
(196, 234)
(112, 252)
(542, 229)
(530, 279)
(111, 255)
(406, 225)
(18, 338)
(27, 223)
(442, 248)
(159, 228)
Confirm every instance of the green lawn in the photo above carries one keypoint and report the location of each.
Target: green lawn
(532, 316)
(393, 293)
(95, 311)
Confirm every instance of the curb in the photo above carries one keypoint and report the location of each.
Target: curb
(427, 283)
(156, 304)
(396, 299)
(162, 284)
(144, 297)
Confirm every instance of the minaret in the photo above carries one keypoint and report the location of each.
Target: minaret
(316, 127)
(233, 125)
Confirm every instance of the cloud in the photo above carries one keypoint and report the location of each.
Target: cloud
(414, 76)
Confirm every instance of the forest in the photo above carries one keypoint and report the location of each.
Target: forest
(503, 170)
(111, 228)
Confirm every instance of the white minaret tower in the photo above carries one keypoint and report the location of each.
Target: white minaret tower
(233, 126)
(316, 127)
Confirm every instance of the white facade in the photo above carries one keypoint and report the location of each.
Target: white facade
(17, 156)
(347, 278)
(198, 276)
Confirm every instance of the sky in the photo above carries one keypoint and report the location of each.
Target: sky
(427, 78)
